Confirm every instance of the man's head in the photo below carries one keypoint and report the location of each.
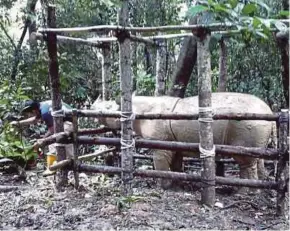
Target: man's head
(31, 108)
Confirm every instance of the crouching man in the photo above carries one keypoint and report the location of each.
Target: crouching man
(41, 111)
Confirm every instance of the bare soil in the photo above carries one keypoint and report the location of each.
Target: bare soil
(99, 204)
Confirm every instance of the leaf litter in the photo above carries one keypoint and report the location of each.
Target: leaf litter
(99, 204)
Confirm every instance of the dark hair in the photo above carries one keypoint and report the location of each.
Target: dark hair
(30, 105)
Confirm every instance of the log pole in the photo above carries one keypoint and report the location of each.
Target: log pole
(282, 174)
(75, 144)
(126, 82)
(61, 176)
(179, 176)
(206, 148)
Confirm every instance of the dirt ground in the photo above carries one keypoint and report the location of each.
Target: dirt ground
(99, 205)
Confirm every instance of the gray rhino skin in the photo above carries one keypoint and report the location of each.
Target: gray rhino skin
(248, 133)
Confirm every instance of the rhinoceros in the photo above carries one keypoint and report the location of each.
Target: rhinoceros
(248, 133)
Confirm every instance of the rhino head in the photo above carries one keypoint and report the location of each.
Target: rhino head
(106, 106)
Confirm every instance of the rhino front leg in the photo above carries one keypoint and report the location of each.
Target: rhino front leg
(163, 162)
(176, 164)
(262, 172)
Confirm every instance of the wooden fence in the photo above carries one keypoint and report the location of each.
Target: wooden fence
(127, 142)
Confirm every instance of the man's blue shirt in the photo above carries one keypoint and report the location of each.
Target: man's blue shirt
(45, 110)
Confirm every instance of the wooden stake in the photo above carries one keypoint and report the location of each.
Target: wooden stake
(205, 118)
(282, 174)
(61, 177)
(127, 145)
(75, 142)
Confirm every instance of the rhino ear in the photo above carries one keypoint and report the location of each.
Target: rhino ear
(118, 100)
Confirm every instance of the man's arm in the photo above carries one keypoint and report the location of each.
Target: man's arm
(31, 120)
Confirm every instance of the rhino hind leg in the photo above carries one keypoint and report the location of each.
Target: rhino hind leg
(163, 161)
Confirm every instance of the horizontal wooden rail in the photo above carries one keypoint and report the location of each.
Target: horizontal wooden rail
(227, 150)
(179, 176)
(106, 28)
(176, 116)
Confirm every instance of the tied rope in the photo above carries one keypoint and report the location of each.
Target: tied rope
(58, 113)
(204, 153)
(126, 144)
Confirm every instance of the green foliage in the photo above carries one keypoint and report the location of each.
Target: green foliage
(145, 83)
(252, 18)
(125, 202)
(13, 144)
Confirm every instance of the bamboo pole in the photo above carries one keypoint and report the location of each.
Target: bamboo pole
(282, 175)
(176, 116)
(75, 143)
(206, 149)
(61, 177)
(127, 144)
(179, 176)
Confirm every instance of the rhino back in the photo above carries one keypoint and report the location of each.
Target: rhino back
(153, 129)
(252, 133)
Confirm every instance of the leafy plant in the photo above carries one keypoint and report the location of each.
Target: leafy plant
(252, 18)
(145, 83)
(13, 144)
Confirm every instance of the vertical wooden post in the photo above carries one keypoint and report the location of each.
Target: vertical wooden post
(61, 178)
(75, 140)
(282, 173)
(127, 142)
(106, 71)
(207, 152)
(160, 69)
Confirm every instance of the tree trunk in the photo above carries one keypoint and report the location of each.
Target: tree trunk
(222, 67)
(185, 65)
(106, 72)
(160, 70)
(28, 24)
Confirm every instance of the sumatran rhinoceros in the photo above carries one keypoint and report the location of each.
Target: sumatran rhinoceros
(249, 133)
